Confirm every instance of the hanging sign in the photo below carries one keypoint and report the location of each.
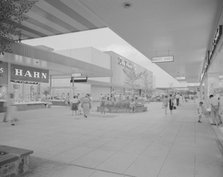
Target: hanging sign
(162, 59)
(3, 73)
(26, 73)
(78, 79)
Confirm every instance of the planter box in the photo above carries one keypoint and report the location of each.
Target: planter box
(14, 161)
(59, 103)
(115, 109)
(8, 164)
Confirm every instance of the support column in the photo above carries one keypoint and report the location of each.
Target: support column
(50, 89)
(9, 89)
(206, 93)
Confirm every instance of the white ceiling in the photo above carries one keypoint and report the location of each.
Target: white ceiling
(182, 28)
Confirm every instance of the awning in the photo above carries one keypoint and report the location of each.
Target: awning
(73, 64)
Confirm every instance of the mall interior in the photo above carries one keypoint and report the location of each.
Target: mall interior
(133, 54)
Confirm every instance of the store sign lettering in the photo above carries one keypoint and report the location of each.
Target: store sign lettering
(125, 63)
(20, 72)
(3, 72)
(25, 73)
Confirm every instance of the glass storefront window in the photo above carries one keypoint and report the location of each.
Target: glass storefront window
(25, 92)
(3, 92)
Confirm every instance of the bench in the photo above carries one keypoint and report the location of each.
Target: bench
(13, 161)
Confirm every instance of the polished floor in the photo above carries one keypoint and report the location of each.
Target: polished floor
(146, 144)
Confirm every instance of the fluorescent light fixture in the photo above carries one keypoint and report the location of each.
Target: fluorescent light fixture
(162, 59)
(220, 76)
(76, 75)
(181, 78)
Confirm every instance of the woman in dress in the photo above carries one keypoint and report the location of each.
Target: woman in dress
(86, 105)
(102, 105)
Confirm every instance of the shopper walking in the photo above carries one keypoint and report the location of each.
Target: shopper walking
(214, 103)
(103, 105)
(74, 105)
(165, 103)
(171, 103)
(132, 105)
(86, 105)
(11, 109)
(201, 111)
(177, 99)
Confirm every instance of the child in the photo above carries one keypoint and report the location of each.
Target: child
(201, 111)
(132, 105)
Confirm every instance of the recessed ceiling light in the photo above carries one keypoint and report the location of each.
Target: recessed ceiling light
(127, 4)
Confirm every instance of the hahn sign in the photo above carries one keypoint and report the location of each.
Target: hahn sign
(25, 73)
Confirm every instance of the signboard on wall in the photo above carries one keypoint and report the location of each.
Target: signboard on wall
(125, 63)
(162, 59)
(3, 73)
(26, 73)
(79, 79)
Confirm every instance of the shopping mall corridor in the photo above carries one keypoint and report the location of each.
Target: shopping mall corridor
(146, 144)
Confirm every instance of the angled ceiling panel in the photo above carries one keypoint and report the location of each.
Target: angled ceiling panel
(46, 21)
(55, 15)
(48, 18)
(34, 28)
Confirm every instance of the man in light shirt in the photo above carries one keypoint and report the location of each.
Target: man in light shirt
(214, 102)
(178, 99)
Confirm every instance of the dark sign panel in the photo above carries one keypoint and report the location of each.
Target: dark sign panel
(3, 73)
(83, 79)
(25, 73)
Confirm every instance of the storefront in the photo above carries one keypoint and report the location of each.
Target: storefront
(212, 73)
(49, 76)
(3, 84)
(128, 77)
(27, 83)
(30, 73)
(119, 83)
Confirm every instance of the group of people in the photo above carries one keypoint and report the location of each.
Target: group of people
(109, 99)
(81, 105)
(213, 109)
(171, 101)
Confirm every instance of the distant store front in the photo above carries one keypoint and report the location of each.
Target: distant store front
(35, 74)
(117, 83)
(27, 83)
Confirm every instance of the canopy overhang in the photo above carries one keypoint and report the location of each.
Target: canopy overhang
(70, 65)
